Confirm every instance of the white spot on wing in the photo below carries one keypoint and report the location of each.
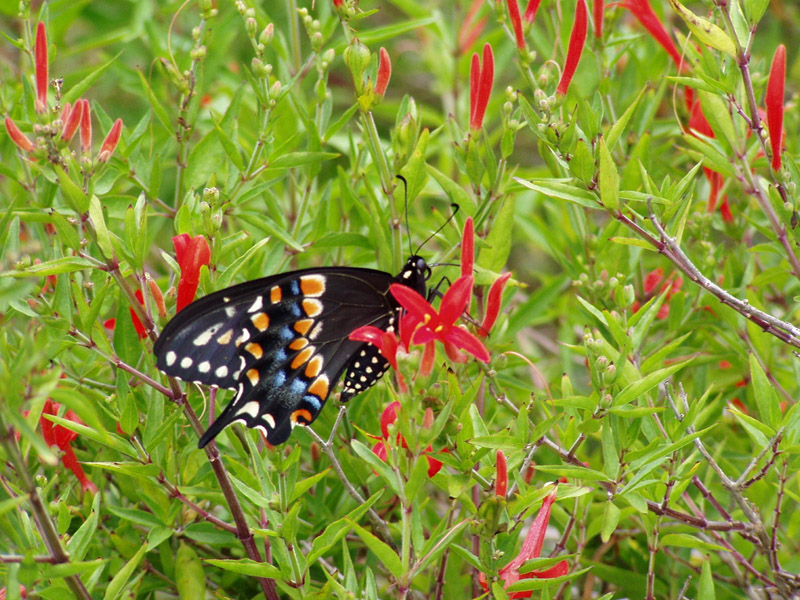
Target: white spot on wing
(230, 310)
(257, 305)
(170, 358)
(243, 338)
(316, 331)
(269, 420)
(221, 371)
(186, 362)
(251, 408)
(205, 337)
(204, 367)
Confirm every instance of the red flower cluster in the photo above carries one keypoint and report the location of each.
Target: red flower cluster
(388, 418)
(531, 548)
(73, 117)
(192, 253)
(60, 436)
(481, 80)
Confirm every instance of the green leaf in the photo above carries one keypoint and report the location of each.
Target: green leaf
(116, 588)
(454, 191)
(539, 584)
(494, 255)
(67, 264)
(647, 383)
(621, 124)
(381, 550)
(684, 540)
(716, 110)
(231, 148)
(610, 521)
(415, 170)
(610, 452)
(561, 189)
(766, 399)
(582, 473)
(78, 544)
(299, 159)
(101, 231)
(706, 588)
(707, 32)
(77, 90)
(248, 567)
(609, 179)
(189, 576)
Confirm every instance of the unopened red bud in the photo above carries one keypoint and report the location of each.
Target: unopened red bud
(42, 68)
(19, 138)
(73, 122)
(86, 128)
(111, 141)
(158, 297)
(501, 483)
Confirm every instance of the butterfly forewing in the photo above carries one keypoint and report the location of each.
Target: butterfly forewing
(282, 343)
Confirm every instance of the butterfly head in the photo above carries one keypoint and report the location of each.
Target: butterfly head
(415, 274)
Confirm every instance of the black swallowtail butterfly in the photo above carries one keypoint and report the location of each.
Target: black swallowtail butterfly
(282, 342)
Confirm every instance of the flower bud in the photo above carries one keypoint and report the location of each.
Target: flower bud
(317, 41)
(357, 57)
(267, 35)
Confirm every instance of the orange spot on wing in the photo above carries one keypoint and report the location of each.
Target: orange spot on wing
(301, 358)
(253, 375)
(320, 387)
(226, 337)
(313, 367)
(276, 294)
(261, 321)
(299, 344)
(255, 349)
(312, 307)
(312, 285)
(303, 325)
(301, 413)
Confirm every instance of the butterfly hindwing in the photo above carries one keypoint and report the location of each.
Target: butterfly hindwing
(282, 343)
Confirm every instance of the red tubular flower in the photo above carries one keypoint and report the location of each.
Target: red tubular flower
(73, 121)
(19, 138)
(653, 279)
(516, 21)
(86, 129)
(599, 17)
(576, 43)
(531, 548)
(468, 248)
(481, 82)
(494, 303)
(111, 141)
(42, 68)
(725, 209)
(155, 291)
(60, 436)
(775, 92)
(642, 10)
(192, 253)
(338, 3)
(501, 483)
(384, 73)
(530, 12)
(381, 450)
(137, 322)
(441, 326)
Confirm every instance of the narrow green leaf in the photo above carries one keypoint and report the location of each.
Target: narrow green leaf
(555, 188)
(610, 521)
(299, 159)
(706, 588)
(706, 31)
(494, 255)
(101, 231)
(609, 179)
(621, 124)
(381, 550)
(767, 401)
(77, 90)
(247, 567)
(189, 576)
(647, 383)
(117, 585)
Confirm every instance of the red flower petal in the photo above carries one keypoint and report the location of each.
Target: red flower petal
(501, 482)
(428, 359)
(484, 86)
(468, 248)
(111, 141)
(599, 17)
(384, 73)
(413, 302)
(516, 22)
(461, 338)
(389, 417)
(775, 94)
(86, 128)
(456, 300)
(653, 279)
(19, 138)
(73, 122)
(530, 12)
(647, 17)
(577, 41)
(137, 322)
(192, 254)
(494, 303)
(42, 68)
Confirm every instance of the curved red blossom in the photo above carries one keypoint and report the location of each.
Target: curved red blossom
(530, 12)
(531, 548)
(577, 40)
(137, 322)
(599, 17)
(60, 436)
(441, 325)
(468, 248)
(111, 141)
(384, 73)
(42, 68)
(516, 22)
(494, 303)
(72, 121)
(471, 30)
(86, 128)
(501, 482)
(481, 82)
(642, 10)
(192, 253)
(775, 94)
(19, 138)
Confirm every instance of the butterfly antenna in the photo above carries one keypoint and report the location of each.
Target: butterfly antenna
(408, 229)
(455, 208)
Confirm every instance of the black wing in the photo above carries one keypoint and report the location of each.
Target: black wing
(281, 343)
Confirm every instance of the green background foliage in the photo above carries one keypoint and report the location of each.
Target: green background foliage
(664, 401)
